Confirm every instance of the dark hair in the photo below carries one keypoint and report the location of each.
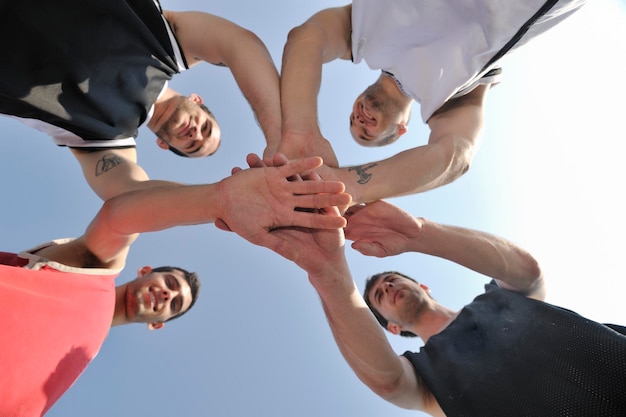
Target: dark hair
(191, 278)
(184, 155)
(369, 284)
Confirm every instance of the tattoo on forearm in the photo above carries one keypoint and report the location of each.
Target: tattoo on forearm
(107, 163)
(361, 171)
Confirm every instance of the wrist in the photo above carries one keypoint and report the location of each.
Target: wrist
(418, 232)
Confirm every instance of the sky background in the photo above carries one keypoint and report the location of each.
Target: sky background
(548, 176)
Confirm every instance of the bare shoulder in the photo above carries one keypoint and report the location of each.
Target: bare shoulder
(206, 37)
(413, 394)
(73, 253)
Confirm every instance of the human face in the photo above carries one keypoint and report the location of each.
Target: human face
(398, 299)
(155, 297)
(374, 116)
(189, 128)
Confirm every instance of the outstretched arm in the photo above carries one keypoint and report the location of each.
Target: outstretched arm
(381, 229)
(322, 38)
(251, 202)
(205, 37)
(455, 132)
(359, 337)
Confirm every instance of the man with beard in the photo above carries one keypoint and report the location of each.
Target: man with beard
(444, 55)
(90, 73)
(508, 353)
(58, 300)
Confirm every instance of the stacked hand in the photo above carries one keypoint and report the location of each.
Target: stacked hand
(381, 229)
(260, 200)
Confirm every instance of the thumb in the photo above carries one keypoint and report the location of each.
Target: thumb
(221, 224)
(368, 248)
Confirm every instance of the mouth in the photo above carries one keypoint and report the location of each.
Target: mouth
(185, 129)
(153, 299)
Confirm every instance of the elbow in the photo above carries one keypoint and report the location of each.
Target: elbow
(534, 269)
(534, 274)
(530, 277)
(304, 34)
(387, 390)
(458, 156)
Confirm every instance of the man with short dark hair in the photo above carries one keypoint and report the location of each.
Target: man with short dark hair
(58, 300)
(90, 73)
(444, 55)
(508, 353)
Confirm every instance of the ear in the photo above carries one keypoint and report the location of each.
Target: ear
(402, 129)
(144, 270)
(393, 328)
(162, 144)
(196, 98)
(155, 325)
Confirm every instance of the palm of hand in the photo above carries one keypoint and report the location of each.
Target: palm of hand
(250, 214)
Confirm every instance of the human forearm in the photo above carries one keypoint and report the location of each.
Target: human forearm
(123, 218)
(258, 79)
(412, 171)
(160, 208)
(363, 343)
(322, 38)
(484, 253)
(300, 81)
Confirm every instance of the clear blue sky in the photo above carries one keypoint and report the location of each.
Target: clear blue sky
(549, 175)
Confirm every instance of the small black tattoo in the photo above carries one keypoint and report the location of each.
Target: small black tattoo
(361, 171)
(107, 163)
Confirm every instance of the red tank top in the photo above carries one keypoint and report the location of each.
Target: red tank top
(52, 325)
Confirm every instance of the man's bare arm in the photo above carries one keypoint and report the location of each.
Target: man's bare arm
(359, 337)
(111, 172)
(455, 133)
(252, 203)
(322, 38)
(205, 37)
(381, 229)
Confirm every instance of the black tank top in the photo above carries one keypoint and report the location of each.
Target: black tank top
(92, 67)
(507, 355)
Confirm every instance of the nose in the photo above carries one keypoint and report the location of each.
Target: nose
(167, 294)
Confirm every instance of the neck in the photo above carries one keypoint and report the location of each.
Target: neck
(392, 88)
(119, 314)
(433, 321)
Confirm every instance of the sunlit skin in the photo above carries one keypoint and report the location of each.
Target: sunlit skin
(184, 125)
(400, 300)
(366, 123)
(378, 111)
(155, 297)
